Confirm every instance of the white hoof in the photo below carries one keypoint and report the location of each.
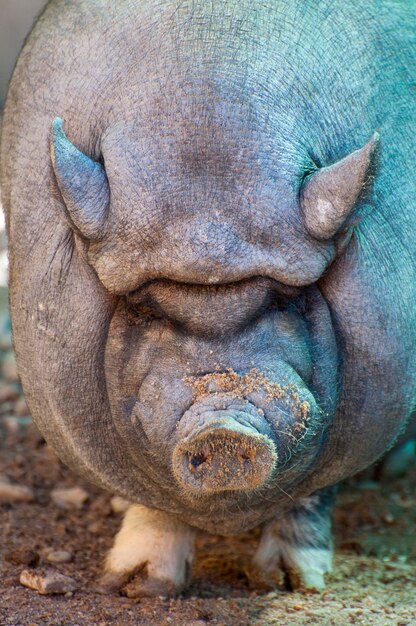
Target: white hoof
(300, 543)
(305, 566)
(155, 545)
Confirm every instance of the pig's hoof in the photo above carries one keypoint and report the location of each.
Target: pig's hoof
(143, 584)
(300, 544)
(140, 584)
(302, 568)
(306, 569)
(152, 555)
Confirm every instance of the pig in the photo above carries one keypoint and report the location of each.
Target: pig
(211, 217)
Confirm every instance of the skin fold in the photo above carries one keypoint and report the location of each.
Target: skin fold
(211, 216)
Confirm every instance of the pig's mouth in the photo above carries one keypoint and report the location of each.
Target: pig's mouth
(214, 310)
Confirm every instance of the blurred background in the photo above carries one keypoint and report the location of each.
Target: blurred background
(16, 20)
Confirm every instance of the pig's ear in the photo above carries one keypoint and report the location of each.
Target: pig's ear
(329, 196)
(83, 185)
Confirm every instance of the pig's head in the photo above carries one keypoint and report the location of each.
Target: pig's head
(220, 362)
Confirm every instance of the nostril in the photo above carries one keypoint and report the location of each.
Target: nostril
(222, 459)
(196, 460)
(248, 455)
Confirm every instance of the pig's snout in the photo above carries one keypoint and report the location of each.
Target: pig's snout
(224, 457)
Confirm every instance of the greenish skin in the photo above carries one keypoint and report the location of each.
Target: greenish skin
(202, 110)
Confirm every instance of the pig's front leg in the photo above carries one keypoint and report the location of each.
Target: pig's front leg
(155, 549)
(299, 543)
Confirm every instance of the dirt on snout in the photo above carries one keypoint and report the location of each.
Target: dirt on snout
(241, 386)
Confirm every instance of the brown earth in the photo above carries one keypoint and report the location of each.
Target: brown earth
(374, 579)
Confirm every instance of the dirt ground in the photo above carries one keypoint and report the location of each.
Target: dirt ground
(374, 578)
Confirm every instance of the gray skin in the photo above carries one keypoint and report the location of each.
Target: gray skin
(207, 230)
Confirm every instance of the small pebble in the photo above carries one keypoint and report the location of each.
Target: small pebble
(15, 493)
(96, 528)
(22, 557)
(72, 498)
(47, 582)
(59, 556)
(119, 505)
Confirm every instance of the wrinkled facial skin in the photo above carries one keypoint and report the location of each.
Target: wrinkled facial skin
(194, 249)
(150, 366)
